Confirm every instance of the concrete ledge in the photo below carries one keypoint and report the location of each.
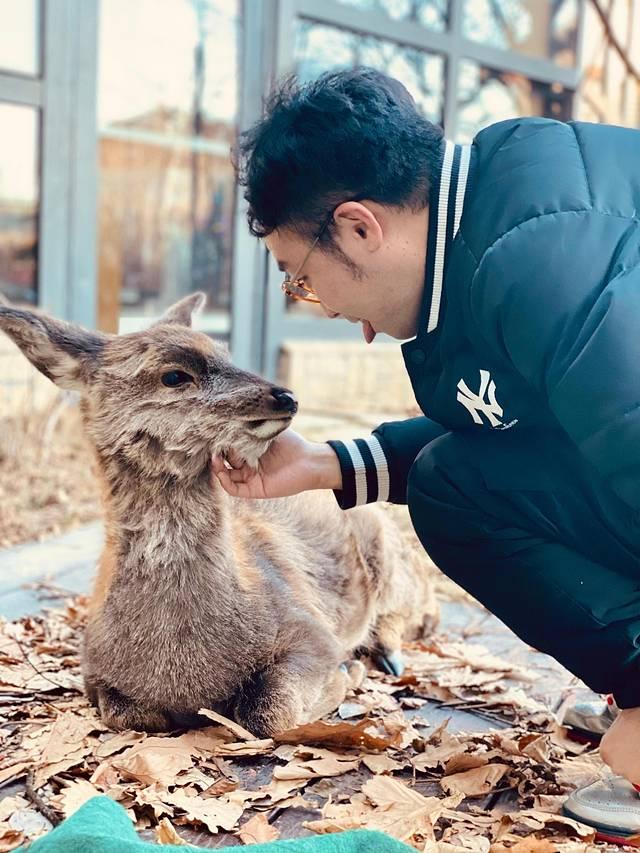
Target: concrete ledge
(347, 376)
(68, 561)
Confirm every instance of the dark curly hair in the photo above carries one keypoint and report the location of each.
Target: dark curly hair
(348, 135)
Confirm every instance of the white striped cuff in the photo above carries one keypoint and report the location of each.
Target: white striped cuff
(365, 471)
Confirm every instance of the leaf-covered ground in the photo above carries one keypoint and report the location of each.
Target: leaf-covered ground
(377, 763)
(381, 762)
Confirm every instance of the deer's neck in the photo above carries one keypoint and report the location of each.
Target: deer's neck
(170, 526)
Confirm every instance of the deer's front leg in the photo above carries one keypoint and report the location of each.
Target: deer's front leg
(119, 712)
(303, 685)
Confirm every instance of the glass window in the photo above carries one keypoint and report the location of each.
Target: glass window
(486, 95)
(542, 28)
(19, 203)
(427, 13)
(167, 106)
(20, 36)
(321, 48)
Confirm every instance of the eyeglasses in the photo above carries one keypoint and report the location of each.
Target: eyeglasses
(295, 286)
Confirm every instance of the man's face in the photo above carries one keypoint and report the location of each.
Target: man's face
(342, 290)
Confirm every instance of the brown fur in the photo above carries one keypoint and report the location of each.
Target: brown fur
(202, 600)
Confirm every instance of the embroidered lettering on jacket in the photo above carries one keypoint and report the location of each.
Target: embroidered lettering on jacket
(482, 403)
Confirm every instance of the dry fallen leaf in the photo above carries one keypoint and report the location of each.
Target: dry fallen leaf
(10, 838)
(474, 782)
(336, 734)
(9, 805)
(118, 742)
(74, 795)
(155, 759)
(537, 820)
(67, 745)
(258, 830)
(216, 814)
(527, 845)
(165, 833)
(382, 763)
(233, 727)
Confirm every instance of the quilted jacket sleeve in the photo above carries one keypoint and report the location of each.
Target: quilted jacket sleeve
(559, 297)
(376, 468)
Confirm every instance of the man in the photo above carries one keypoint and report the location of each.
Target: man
(511, 268)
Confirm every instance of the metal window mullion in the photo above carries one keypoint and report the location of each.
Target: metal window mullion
(450, 43)
(67, 263)
(577, 98)
(333, 13)
(20, 90)
(82, 296)
(55, 160)
(452, 69)
(540, 70)
(256, 50)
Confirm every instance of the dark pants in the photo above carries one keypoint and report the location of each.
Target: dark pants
(523, 524)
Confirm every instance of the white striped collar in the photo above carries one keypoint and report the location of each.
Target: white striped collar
(445, 213)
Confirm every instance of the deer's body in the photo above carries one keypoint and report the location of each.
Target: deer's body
(202, 600)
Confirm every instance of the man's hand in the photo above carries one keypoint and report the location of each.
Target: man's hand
(291, 465)
(620, 746)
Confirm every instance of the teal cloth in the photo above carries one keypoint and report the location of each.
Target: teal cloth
(102, 826)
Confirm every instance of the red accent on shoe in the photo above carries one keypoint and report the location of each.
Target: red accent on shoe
(628, 840)
(590, 739)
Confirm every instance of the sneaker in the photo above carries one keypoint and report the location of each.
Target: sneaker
(588, 721)
(611, 806)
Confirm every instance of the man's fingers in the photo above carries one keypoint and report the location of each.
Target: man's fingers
(226, 482)
(217, 463)
(234, 460)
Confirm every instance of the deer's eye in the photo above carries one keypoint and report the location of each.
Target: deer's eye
(176, 378)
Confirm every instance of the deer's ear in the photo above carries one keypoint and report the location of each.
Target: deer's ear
(182, 312)
(64, 352)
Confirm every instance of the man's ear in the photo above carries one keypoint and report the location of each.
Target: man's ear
(182, 312)
(64, 352)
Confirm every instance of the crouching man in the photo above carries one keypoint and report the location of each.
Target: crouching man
(511, 269)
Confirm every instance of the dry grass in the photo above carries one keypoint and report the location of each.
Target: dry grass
(47, 484)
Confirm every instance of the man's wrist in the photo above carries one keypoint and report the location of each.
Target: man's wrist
(327, 471)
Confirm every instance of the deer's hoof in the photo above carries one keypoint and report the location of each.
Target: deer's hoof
(355, 671)
(390, 662)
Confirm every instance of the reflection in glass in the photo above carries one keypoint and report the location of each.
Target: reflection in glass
(167, 111)
(608, 91)
(19, 203)
(20, 36)
(321, 48)
(542, 28)
(427, 13)
(486, 96)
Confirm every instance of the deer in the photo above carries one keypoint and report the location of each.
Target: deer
(256, 609)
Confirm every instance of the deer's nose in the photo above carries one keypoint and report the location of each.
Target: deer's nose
(285, 401)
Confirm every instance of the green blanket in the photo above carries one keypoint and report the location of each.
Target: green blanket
(102, 826)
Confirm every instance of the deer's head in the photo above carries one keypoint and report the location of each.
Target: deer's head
(162, 399)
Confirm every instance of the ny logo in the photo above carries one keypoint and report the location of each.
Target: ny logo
(484, 402)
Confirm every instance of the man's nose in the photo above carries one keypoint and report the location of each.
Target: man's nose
(330, 314)
(285, 401)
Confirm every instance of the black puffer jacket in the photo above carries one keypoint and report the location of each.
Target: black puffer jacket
(531, 312)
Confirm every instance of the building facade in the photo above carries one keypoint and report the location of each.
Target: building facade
(117, 192)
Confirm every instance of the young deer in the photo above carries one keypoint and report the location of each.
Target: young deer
(202, 600)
